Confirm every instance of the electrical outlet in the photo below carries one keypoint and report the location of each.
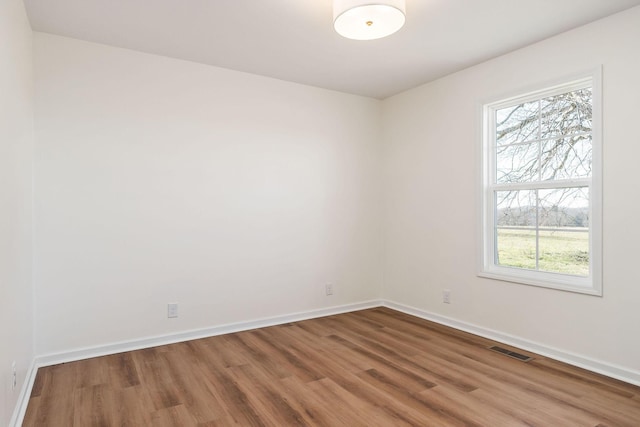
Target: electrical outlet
(446, 296)
(14, 376)
(328, 289)
(172, 310)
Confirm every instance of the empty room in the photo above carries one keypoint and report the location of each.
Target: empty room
(319, 213)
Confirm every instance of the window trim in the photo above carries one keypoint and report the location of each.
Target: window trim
(487, 268)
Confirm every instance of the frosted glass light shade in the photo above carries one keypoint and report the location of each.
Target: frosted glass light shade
(368, 19)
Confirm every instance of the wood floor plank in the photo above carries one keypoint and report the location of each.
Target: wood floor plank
(174, 416)
(153, 366)
(402, 365)
(297, 364)
(341, 406)
(325, 349)
(267, 397)
(93, 406)
(318, 411)
(233, 398)
(464, 405)
(509, 394)
(56, 397)
(122, 370)
(375, 367)
(195, 396)
(135, 408)
(259, 352)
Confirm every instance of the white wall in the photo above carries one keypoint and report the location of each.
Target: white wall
(431, 192)
(16, 152)
(163, 181)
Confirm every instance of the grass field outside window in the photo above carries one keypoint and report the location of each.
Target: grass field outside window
(565, 252)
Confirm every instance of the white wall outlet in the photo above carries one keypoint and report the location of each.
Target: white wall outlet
(446, 296)
(14, 376)
(172, 310)
(328, 288)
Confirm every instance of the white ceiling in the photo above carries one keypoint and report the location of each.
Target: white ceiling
(294, 40)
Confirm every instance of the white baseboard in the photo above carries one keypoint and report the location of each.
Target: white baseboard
(25, 393)
(610, 370)
(600, 367)
(137, 344)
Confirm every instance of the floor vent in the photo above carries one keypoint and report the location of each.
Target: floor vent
(510, 353)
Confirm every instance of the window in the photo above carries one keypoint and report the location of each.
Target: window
(541, 187)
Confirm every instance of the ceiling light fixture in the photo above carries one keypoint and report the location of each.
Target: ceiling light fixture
(368, 19)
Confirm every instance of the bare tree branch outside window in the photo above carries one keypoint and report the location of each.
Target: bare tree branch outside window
(548, 140)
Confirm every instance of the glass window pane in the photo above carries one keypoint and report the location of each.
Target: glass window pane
(564, 252)
(516, 248)
(564, 208)
(516, 208)
(515, 234)
(567, 114)
(517, 163)
(567, 158)
(519, 123)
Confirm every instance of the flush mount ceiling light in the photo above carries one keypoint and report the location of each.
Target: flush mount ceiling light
(368, 19)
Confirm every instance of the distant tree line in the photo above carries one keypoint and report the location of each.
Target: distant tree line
(546, 217)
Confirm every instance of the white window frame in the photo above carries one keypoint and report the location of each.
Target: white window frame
(488, 267)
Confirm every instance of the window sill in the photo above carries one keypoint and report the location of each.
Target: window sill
(581, 285)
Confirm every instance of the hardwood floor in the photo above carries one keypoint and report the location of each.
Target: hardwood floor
(375, 367)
